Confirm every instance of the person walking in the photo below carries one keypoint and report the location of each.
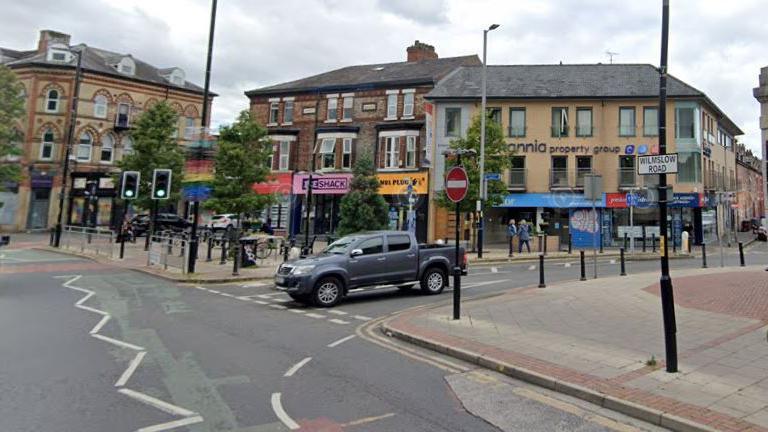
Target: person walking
(511, 233)
(524, 234)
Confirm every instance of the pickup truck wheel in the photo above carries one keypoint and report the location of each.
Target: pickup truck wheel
(433, 281)
(327, 292)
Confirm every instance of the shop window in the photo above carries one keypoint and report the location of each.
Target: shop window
(452, 122)
(516, 122)
(559, 122)
(328, 153)
(584, 122)
(46, 146)
(274, 112)
(346, 153)
(684, 123)
(650, 121)
(410, 151)
(285, 154)
(84, 147)
(288, 112)
(392, 155)
(627, 121)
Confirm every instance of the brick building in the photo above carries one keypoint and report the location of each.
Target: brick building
(337, 116)
(750, 201)
(115, 88)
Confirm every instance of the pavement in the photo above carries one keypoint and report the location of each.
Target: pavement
(602, 340)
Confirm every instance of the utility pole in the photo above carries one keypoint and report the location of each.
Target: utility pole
(483, 115)
(667, 298)
(313, 165)
(193, 240)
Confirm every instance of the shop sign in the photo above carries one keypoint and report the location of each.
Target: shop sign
(543, 147)
(553, 200)
(430, 134)
(398, 184)
(106, 183)
(330, 184)
(279, 183)
(679, 200)
(41, 181)
(79, 182)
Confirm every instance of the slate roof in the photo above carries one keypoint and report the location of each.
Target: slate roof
(561, 81)
(372, 75)
(99, 61)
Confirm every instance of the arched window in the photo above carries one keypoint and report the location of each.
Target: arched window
(100, 106)
(46, 145)
(107, 147)
(52, 101)
(84, 147)
(127, 145)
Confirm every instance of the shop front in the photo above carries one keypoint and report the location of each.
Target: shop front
(279, 185)
(407, 195)
(327, 191)
(91, 201)
(41, 184)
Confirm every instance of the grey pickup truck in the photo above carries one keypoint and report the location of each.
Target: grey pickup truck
(368, 259)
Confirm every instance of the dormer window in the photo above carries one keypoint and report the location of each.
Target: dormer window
(126, 66)
(177, 77)
(59, 54)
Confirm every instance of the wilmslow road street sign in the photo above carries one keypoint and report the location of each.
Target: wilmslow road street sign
(456, 184)
(657, 164)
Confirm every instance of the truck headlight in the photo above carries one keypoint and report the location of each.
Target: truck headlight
(300, 270)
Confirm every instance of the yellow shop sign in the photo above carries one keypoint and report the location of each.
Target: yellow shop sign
(397, 183)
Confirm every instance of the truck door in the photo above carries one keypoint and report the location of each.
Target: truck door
(368, 268)
(402, 259)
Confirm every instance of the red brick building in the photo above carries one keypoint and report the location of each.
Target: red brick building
(749, 182)
(337, 116)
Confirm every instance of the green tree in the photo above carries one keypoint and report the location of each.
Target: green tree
(497, 158)
(154, 146)
(241, 161)
(11, 109)
(363, 208)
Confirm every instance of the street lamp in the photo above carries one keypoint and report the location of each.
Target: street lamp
(482, 194)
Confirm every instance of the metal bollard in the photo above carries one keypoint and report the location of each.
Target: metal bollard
(674, 245)
(626, 240)
(183, 245)
(644, 249)
(544, 239)
(209, 253)
(541, 272)
(601, 244)
(456, 292)
(741, 254)
(583, 266)
(653, 242)
(623, 266)
(236, 264)
(53, 235)
(286, 248)
(570, 243)
(703, 255)
(122, 244)
(223, 251)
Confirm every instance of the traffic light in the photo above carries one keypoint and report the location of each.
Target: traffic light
(130, 185)
(161, 184)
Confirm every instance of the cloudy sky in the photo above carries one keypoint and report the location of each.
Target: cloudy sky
(716, 46)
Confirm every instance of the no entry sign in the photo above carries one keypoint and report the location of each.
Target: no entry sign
(456, 184)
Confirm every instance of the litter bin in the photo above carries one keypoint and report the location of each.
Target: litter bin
(248, 252)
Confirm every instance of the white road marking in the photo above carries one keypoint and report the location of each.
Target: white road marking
(172, 424)
(494, 269)
(338, 321)
(295, 368)
(337, 312)
(259, 302)
(531, 267)
(100, 324)
(277, 407)
(314, 315)
(567, 265)
(276, 306)
(282, 300)
(90, 309)
(367, 420)
(340, 341)
(253, 285)
(201, 288)
(130, 369)
(118, 342)
(612, 261)
(264, 296)
(297, 311)
(479, 284)
(227, 295)
(214, 291)
(248, 297)
(157, 403)
(362, 317)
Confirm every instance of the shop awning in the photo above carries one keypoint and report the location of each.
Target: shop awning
(278, 183)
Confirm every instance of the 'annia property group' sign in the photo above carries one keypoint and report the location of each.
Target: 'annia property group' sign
(543, 147)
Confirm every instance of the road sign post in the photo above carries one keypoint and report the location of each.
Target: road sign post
(593, 191)
(456, 186)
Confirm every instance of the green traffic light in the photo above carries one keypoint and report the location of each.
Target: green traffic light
(160, 193)
(129, 193)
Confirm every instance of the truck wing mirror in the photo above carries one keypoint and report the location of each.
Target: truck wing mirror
(356, 252)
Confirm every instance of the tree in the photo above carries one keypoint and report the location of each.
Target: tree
(363, 208)
(11, 109)
(497, 158)
(154, 146)
(241, 161)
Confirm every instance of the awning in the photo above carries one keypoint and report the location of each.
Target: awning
(278, 183)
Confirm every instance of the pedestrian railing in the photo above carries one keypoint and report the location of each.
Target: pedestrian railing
(168, 250)
(89, 240)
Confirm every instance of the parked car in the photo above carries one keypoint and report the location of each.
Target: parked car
(364, 260)
(226, 221)
(163, 221)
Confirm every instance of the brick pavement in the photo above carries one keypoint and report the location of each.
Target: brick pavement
(598, 335)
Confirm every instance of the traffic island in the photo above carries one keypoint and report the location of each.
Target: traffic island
(602, 341)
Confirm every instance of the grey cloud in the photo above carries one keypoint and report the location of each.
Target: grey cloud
(421, 11)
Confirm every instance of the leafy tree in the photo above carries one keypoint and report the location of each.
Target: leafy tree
(154, 146)
(363, 208)
(11, 108)
(497, 158)
(241, 161)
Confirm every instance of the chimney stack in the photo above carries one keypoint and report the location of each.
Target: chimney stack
(50, 37)
(420, 51)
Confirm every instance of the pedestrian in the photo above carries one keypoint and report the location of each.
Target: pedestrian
(266, 227)
(524, 234)
(511, 233)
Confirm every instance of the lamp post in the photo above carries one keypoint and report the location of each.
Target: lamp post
(482, 194)
(70, 138)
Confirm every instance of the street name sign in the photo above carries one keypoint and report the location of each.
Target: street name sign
(657, 164)
(456, 184)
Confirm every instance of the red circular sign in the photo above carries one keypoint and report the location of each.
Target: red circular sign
(456, 184)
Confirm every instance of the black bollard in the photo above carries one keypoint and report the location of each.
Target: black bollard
(674, 245)
(570, 243)
(741, 254)
(601, 244)
(122, 244)
(644, 249)
(544, 239)
(623, 266)
(583, 266)
(626, 240)
(286, 248)
(653, 242)
(541, 272)
(209, 254)
(703, 255)
(236, 264)
(53, 235)
(223, 251)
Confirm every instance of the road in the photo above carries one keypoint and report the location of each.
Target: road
(89, 347)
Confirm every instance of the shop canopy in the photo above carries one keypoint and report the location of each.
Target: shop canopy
(551, 200)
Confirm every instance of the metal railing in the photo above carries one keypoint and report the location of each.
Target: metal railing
(168, 250)
(517, 178)
(558, 178)
(580, 174)
(98, 241)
